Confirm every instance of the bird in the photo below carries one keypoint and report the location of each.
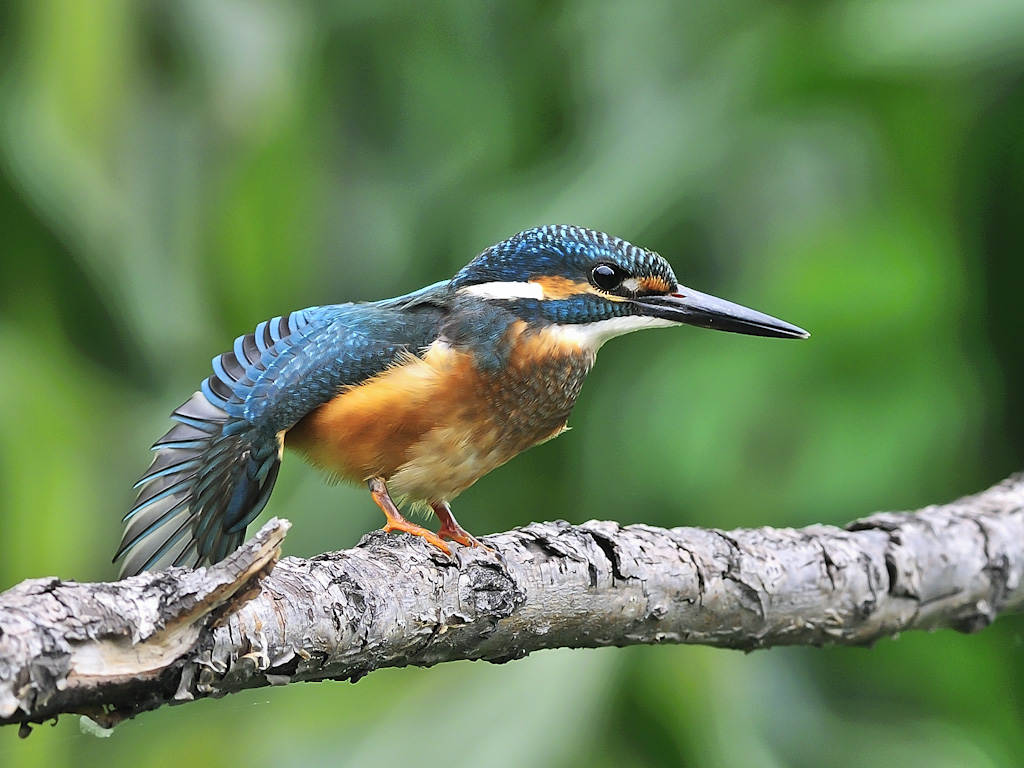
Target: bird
(417, 396)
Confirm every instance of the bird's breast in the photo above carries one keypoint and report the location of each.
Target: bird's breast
(433, 425)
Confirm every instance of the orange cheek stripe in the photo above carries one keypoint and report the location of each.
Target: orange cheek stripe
(655, 285)
(561, 287)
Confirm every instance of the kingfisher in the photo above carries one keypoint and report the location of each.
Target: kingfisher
(417, 396)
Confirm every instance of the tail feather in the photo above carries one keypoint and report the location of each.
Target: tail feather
(141, 526)
(214, 470)
(172, 548)
(165, 464)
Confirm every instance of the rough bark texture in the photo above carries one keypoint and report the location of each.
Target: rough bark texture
(113, 650)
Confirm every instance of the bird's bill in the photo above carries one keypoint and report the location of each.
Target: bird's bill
(686, 305)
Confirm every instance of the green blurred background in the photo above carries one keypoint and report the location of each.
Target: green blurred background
(173, 172)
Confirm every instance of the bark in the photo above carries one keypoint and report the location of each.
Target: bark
(113, 650)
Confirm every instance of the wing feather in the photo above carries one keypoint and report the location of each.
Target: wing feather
(215, 469)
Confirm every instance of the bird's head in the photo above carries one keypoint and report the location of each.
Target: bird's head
(596, 287)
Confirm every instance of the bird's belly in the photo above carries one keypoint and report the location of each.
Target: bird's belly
(432, 426)
(447, 460)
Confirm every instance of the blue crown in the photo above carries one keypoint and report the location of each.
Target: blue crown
(559, 251)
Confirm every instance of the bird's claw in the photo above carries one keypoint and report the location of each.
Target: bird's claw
(404, 526)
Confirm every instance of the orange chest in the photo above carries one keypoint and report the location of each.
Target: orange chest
(436, 424)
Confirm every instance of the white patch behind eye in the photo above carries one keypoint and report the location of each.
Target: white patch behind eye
(631, 284)
(505, 290)
(592, 335)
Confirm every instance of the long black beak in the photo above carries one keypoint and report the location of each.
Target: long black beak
(686, 305)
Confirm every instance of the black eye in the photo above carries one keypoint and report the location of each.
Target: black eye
(607, 277)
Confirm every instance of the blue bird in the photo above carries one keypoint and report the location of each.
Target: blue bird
(417, 396)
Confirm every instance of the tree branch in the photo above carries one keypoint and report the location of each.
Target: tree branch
(113, 650)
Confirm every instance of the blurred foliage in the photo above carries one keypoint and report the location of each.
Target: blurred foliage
(174, 171)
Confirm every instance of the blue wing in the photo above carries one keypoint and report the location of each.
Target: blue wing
(215, 469)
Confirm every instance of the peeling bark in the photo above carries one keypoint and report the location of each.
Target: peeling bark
(113, 650)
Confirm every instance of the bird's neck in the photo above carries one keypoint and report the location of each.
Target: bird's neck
(500, 333)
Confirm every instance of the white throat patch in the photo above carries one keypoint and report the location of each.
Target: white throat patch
(592, 335)
(589, 336)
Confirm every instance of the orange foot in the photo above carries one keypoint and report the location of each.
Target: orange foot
(406, 526)
(396, 522)
(450, 528)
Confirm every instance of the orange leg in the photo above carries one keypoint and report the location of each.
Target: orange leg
(396, 522)
(450, 528)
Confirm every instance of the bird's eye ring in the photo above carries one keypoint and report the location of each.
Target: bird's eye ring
(607, 277)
